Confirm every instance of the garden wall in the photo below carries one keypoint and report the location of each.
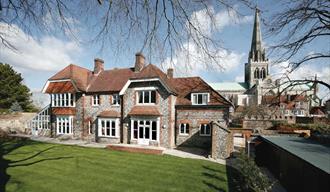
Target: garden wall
(16, 122)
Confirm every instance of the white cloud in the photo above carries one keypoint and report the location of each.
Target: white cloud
(239, 78)
(304, 72)
(190, 59)
(44, 54)
(207, 20)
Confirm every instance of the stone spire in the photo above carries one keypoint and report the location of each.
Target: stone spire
(257, 52)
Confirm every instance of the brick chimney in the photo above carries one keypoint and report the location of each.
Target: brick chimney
(170, 72)
(98, 66)
(139, 62)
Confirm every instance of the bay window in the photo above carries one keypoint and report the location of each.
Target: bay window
(108, 127)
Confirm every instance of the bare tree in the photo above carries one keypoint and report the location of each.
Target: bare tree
(159, 27)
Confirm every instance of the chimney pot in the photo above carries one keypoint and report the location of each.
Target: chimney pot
(98, 65)
(139, 61)
(170, 72)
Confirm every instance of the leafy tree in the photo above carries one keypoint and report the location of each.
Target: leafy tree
(13, 90)
(15, 107)
(252, 177)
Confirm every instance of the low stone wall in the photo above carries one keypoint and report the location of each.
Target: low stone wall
(256, 124)
(16, 122)
(222, 141)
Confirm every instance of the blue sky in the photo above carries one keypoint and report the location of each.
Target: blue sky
(42, 54)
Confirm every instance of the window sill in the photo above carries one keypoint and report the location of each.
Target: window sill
(112, 137)
(183, 134)
(146, 104)
(113, 105)
(203, 135)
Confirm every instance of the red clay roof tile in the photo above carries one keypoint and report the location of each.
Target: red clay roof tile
(109, 113)
(144, 110)
(63, 111)
(60, 87)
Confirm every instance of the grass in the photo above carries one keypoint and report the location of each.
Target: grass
(33, 166)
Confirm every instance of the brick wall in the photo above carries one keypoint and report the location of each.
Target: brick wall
(195, 117)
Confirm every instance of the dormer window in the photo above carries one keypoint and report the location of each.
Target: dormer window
(96, 100)
(200, 98)
(146, 97)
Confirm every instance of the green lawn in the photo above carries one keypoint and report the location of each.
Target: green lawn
(34, 166)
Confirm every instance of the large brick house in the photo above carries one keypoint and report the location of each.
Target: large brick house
(138, 105)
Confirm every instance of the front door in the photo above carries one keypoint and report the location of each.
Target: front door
(144, 132)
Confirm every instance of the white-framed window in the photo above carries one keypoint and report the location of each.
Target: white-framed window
(62, 100)
(205, 129)
(147, 129)
(115, 99)
(95, 100)
(184, 129)
(108, 127)
(200, 98)
(146, 97)
(64, 124)
(286, 112)
(90, 127)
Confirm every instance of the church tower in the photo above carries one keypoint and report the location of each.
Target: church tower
(256, 70)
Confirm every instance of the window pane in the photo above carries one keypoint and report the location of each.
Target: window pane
(204, 98)
(135, 129)
(154, 130)
(146, 97)
(108, 131)
(208, 129)
(140, 93)
(140, 132)
(195, 99)
(153, 96)
(187, 128)
(182, 128)
(154, 126)
(113, 131)
(147, 132)
(200, 98)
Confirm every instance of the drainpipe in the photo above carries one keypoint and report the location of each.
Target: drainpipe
(248, 148)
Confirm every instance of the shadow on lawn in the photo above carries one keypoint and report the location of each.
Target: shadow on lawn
(9, 145)
(233, 179)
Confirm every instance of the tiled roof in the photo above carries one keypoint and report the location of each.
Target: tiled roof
(110, 80)
(318, 111)
(60, 87)
(144, 110)
(109, 113)
(63, 110)
(115, 79)
(185, 86)
(78, 74)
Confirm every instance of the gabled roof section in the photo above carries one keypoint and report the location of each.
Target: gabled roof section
(79, 75)
(150, 73)
(187, 85)
(61, 87)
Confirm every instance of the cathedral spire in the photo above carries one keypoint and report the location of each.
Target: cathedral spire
(257, 52)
